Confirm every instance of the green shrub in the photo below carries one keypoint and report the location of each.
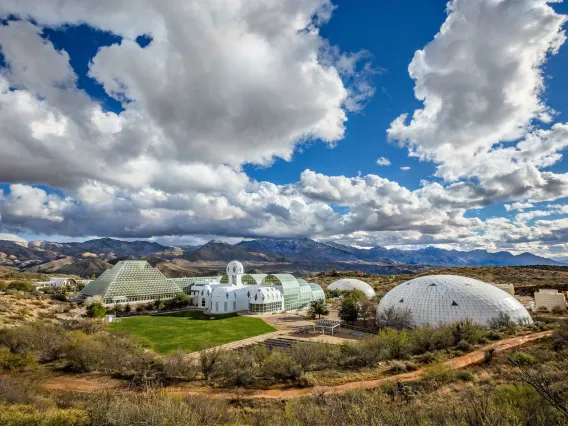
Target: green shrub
(398, 367)
(558, 310)
(21, 286)
(281, 366)
(522, 358)
(463, 345)
(494, 335)
(439, 374)
(464, 376)
(96, 310)
(17, 363)
(27, 415)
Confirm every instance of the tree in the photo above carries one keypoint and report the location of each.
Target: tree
(181, 300)
(159, 304)
(367, 311)
(127, 308)
(319, 308)
(393, 317)
(349, 310)
(21, 286)
(96, 310)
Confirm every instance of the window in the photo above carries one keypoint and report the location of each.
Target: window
(225, 303)
(203, 302)
(234, 306)
(216, 306)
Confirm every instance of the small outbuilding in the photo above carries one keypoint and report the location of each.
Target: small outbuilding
(549, 299)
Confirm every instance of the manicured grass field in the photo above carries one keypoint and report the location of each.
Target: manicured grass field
(190, 330)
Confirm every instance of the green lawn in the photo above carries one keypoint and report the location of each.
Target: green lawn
(189, 330)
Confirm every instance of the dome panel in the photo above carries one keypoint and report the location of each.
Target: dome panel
(349, 284)
(438, 299)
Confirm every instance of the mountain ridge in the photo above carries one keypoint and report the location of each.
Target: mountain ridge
(95, 255)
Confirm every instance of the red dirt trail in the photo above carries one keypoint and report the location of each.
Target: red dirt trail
(86, 383)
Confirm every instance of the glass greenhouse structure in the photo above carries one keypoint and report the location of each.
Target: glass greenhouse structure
(131, 281)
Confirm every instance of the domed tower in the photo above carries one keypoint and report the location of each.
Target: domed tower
(235, 271)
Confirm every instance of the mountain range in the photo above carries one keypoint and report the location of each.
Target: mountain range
(94, 256)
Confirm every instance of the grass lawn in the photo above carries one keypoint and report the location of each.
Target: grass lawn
(189, 330)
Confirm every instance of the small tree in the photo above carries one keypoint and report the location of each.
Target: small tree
(127, 308)
(367, 311)
(159, 304)
(181, 300)
(207, 359)
(319, 308)
(96, 310)
(349, 310)
(393, 317)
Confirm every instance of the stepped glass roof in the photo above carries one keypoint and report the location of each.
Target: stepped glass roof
(132, 279)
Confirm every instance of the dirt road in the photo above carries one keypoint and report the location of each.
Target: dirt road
(83, 384)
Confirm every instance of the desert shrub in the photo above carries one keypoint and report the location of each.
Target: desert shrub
(19, 389)
(559, 338)
(519, 397)
(83, 353)
(494, 335)
(306, 381)
(427, 338)
(23, 415)
(488, 355)
(438, 374)
(522, 358)
(281, 366)
(396, 318)
(87, 326)
(398, 367)
(21, 286)
(17, 363)
(366, 352)
(463, 345)
(501, 321)
(427, 358)
(395, 344)
(96, 310)
(558, 310)
(234, 367)
(207, 359)
(466, 330)
(464, 376)
(315, 356)
(542, 309)
(178, 366)
(60, 297)
(158, 410)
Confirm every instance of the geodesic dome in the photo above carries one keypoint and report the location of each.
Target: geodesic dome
(350, 284)
(438, 299)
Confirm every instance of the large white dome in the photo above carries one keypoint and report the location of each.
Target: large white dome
(349, 284)
(437, 299)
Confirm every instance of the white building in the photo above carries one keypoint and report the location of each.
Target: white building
(350, 284)
(439, 299)
(258, 293)
(549, 299)
(509, 288)
(57, 283)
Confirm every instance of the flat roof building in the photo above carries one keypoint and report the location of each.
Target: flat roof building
(549, 299)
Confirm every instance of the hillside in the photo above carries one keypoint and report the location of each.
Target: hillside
(525, 279)
(296, 255)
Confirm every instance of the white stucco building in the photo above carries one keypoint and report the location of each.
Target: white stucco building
(549, 299)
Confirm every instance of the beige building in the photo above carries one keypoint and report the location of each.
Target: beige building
(549, 299)
(509, 288)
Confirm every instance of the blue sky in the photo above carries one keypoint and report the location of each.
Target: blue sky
(181, 124)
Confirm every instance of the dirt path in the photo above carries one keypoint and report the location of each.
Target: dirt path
(83, 384)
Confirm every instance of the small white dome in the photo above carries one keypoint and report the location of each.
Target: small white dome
(437, 299)
(235, 268)
(349, 284)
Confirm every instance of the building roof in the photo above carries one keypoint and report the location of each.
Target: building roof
(439, 299)
(349, 284)
(131, 278)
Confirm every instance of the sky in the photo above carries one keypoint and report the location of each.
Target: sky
(400, 124)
